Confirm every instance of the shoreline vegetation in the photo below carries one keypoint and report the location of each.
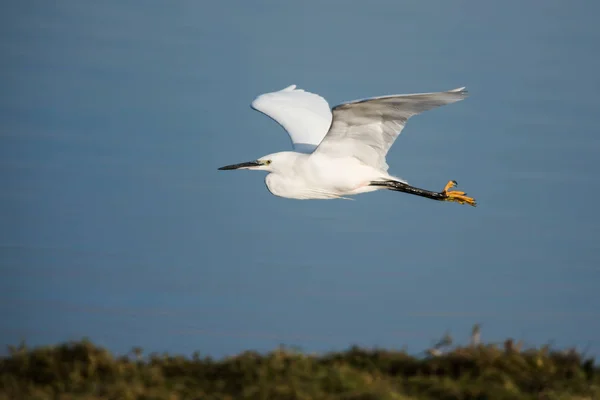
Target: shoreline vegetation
(82, 370)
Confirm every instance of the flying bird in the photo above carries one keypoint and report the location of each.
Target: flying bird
(342, 151)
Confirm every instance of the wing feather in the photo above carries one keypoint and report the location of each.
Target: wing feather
(305, 116)
(367, 128)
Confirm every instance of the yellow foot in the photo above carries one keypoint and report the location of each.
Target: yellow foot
(457, 196)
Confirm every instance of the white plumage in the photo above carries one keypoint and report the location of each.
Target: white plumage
(305, 116)
(341, 151)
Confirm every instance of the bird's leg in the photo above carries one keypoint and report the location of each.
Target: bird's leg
(403, 187)
(444, 195)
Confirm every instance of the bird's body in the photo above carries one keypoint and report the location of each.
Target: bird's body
(341, 152)
(316, 176)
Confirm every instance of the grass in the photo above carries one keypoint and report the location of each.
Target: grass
(82, 370)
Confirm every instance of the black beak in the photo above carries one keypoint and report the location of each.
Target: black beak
(242, 165)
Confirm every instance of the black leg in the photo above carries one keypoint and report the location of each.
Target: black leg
(403, 187)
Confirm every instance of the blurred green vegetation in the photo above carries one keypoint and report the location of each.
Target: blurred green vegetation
(82, 370)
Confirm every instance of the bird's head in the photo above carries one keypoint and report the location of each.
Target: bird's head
(270, 163)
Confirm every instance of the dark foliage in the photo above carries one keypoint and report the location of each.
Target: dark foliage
(81, 370)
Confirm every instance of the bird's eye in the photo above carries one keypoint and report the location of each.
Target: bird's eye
(267, 162)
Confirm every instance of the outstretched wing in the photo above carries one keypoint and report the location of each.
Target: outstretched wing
(305, 116)
(366, 129)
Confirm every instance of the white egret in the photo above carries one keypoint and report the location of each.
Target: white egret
(341, 151)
